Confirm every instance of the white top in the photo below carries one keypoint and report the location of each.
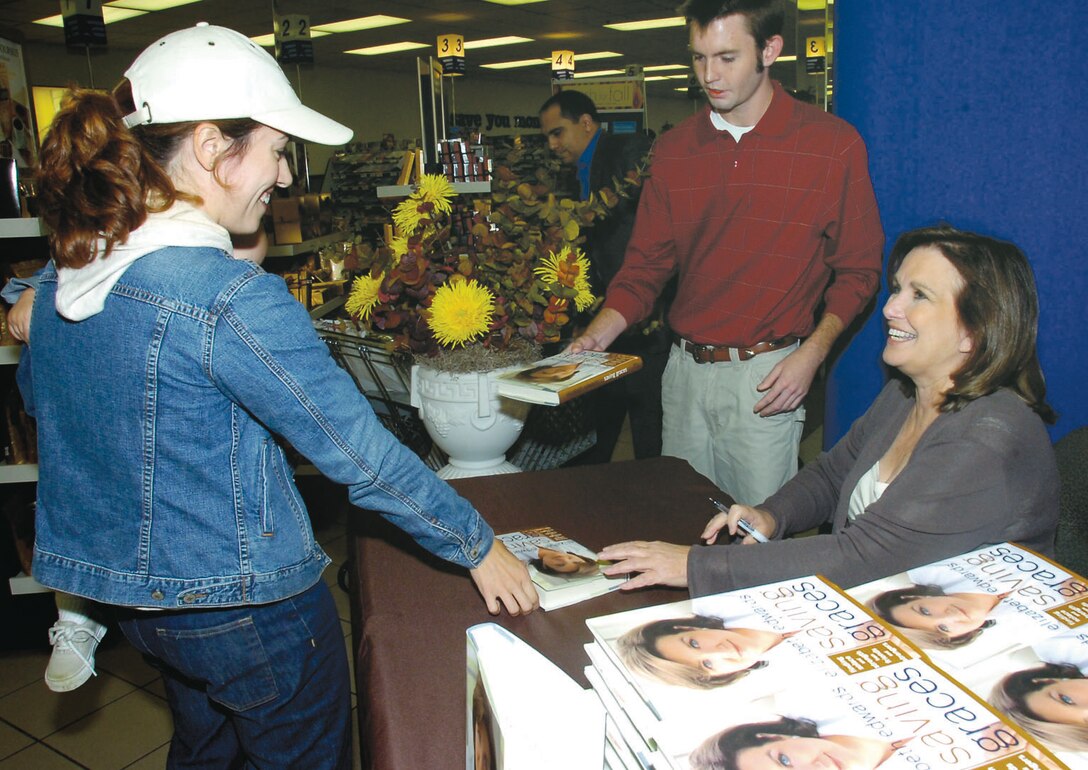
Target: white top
(867, 491)
(722, 124)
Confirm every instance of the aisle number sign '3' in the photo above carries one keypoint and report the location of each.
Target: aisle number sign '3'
(451, 54)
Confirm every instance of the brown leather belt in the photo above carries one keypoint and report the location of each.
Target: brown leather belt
(712, 354)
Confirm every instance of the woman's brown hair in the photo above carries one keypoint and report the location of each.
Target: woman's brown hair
(99, 179)
(998, 308)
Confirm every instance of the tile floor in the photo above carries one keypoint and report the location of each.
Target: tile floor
(120, 719)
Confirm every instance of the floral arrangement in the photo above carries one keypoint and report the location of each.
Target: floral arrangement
(512, 281)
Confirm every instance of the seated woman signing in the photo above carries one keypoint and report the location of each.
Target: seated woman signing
(953, 457)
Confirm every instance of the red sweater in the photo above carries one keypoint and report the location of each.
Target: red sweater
(760, 231)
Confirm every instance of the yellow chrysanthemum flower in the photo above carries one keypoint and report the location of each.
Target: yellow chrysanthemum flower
(571, 269)
(548, 269)
(398, 247)
(436, 189)
(460, 312)
(407, 216)
(364, 296)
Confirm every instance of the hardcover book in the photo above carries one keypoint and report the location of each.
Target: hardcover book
(522, 711)
(564, 571)
(557, 379)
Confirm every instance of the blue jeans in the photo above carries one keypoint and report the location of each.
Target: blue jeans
(260, 686)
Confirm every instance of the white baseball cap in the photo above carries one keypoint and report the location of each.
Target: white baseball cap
(214, 73)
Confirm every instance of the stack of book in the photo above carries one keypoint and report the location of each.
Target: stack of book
(971, 662)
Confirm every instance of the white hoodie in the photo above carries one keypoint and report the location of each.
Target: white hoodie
(82, 292)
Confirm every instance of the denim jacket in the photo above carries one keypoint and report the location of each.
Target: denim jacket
(162, 480)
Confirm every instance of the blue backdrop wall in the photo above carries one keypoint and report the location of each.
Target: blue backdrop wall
(974, 113)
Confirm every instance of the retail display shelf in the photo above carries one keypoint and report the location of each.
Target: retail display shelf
(9, 354)
(16, 474)
(22, 228)
(333, 304)
(24, 584)
(312, 245)
(462, 188)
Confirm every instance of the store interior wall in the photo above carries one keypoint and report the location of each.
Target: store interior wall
(970, 116)
(372, 102)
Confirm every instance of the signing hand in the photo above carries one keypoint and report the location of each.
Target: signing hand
(787, 384)
(19, 316)
(659, 563)
(762, 520)
(504, 581)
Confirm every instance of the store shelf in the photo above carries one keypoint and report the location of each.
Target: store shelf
(17, 474)
(310, 246)
(461, 188)
(24, 584)
(22, 228)
(333, 304)
(9, 354)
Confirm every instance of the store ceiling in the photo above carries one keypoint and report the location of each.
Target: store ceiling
(553, 25)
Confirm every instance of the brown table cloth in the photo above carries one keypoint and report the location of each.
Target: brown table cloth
(410, 610)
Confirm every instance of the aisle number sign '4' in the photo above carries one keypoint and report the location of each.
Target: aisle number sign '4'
(562, 65)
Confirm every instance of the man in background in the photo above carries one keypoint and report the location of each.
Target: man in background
(599, 159)
(764, 207)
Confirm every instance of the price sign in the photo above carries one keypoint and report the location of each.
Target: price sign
(815, 54)
(451, 54)
(83, 24)
(562, 65)
(293, 43)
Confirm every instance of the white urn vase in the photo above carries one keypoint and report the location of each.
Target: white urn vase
(468, 420)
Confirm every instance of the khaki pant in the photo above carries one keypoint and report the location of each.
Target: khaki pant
(708, 421)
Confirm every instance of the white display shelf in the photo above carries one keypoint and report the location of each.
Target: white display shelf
(24, 584)
(22, 228)
(310, 246)
(461, 188)
(9, 354)
(17, 474)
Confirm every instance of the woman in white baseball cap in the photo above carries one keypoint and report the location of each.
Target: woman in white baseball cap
(165, 376)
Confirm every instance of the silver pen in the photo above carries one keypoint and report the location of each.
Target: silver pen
(758, 536)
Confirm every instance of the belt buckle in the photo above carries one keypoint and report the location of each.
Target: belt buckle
(697, 351)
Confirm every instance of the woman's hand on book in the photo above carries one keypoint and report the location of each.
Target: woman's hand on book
(503, 580)
(657, 563)
(761, 520)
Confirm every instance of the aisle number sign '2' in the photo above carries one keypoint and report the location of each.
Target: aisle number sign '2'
(83, 24)
(293, 43)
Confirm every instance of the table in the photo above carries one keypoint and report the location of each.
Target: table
(409, 610)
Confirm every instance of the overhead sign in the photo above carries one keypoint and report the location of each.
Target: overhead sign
(451, 54)
(562, 65)
(815, 54)
(617, 93)
(293, 43)
(83, 24)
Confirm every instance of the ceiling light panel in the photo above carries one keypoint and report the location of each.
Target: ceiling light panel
(491, 42)
(378, 50)
(509, 65)
(635, 26)
(363, 22)
(149, 5)
(110, 14)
